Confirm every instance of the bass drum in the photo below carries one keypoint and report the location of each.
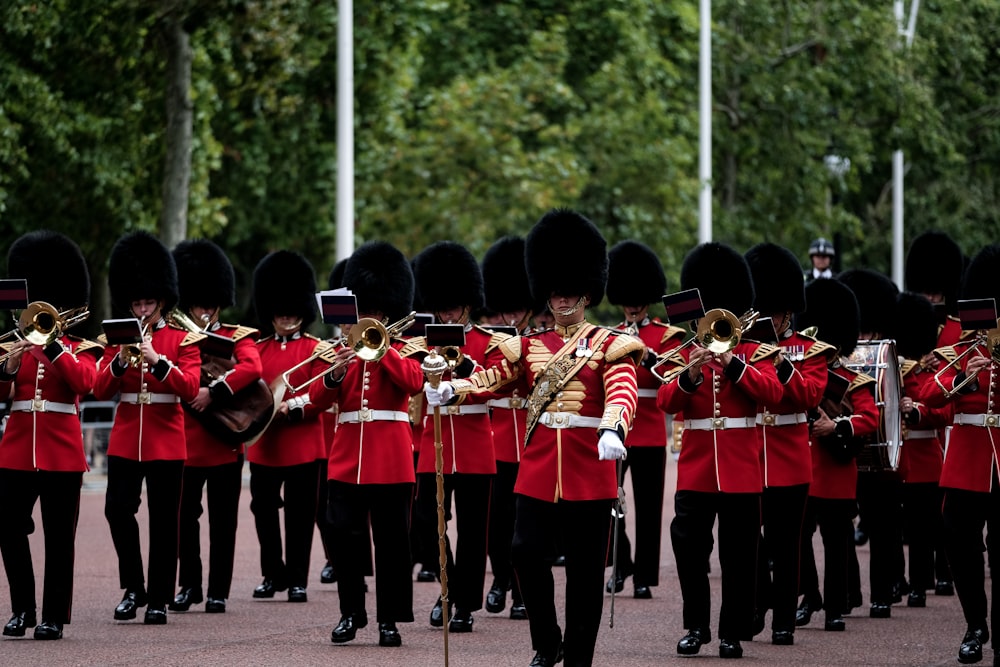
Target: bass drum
(878, 359)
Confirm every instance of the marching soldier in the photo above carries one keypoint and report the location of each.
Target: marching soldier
(718, 472)
(969, 473)
(635, 281)
(845, 417)
(41, 451)
(286, 462)
(786, 464)
(934, 268)
(583, 380)
(371, 466)
(207, 284)
(450, 283)
(147, 441)
(508, 294)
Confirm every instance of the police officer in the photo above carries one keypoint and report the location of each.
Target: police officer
(821, 256)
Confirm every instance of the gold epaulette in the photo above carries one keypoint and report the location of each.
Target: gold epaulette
(908, 366)
(947, 353)
(670, 331)
(193, 338)
(311, 337)
(764, 351)
(103, 340)
(496, 337)
(87, 345)
(967, 335)
(623, 345)
(242, 331)
(860, 380)
(7, 347)
(510, 348)
(820, 348)
(414, 347)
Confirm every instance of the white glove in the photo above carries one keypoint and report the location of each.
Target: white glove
(610, 447)
(438, 396)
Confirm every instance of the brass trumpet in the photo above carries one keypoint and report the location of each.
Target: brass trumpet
(131, 354)
(719, 330)
(40, 324)
(985, 338)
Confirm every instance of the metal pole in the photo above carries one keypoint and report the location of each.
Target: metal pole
(345, 129)
(705, 120)
(897, 218)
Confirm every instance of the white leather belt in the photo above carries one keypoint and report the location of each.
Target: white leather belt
(480, 409)
(719, 423)
(568, 420)
(647, 393)
(366, 415)
(767, 419)
(977, 420)
(513, 403)
(40, 405)
(147, 397)
(925, 433)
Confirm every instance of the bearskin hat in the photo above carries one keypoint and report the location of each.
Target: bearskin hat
(914, 325)
(777, 279)
(505, 277)
(381, 279)
(566, 254)
(982, 278)
(336, 279)
(721, 275)
(832, 308)
(934, 265)
(141, 267)
(284, 283)
(205, 275)
(876, 295)
(635, 275)
(448, 276)
(54, 267)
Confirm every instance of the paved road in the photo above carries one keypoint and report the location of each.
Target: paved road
(275, 632)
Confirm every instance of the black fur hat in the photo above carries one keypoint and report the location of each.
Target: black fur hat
(448, 276)
(141, 267)
(982, 278)
(205, 275)
(54, 267)
(635, 275)
(566, 254)
(505, 277)
(381, 279)
(915, 326)
(284, 283)
(876, 295)
(831, 307)
(721, 276)
(336, 278)
(935, 264)
(778, 283)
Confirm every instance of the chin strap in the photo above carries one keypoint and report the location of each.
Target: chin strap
(569, 311)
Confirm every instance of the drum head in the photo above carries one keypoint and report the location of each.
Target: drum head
(878, 359)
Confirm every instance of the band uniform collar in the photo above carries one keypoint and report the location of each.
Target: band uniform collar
(285, 339)
(570, 330)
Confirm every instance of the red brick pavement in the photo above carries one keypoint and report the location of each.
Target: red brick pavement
(275, 632)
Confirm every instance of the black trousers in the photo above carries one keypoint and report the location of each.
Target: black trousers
(582, 530)
(835, 520)
(388, 505)
(880, 505)
(295, 490)
(783, 510)
(922, 527)
(647, 465)
(467, 568)
(501, 530)
(59, 493)
(739, 532)
(222, 485)
(965, 515)
(163, 497)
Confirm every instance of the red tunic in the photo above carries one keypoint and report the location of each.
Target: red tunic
(286, 442)
(379, 450)
(784, 454)
(48, 440)
(722, 459)
(649, 428)
(204, 449)
(831, 478)
(151, 431)
(563, 463)
(971, 457)
(922, 454)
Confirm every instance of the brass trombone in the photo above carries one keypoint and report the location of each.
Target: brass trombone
(987, 338)
(40, 324)
(719, 331)
(131, 353)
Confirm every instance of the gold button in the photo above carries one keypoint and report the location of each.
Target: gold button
(991, 420)
(718, 423)
(769, 420)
